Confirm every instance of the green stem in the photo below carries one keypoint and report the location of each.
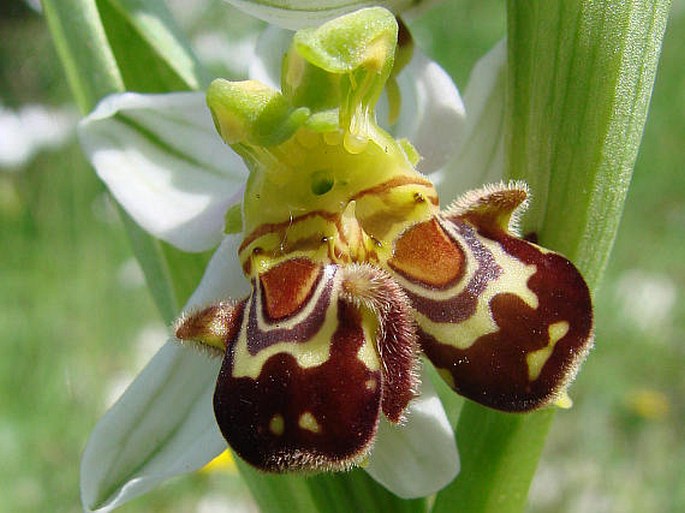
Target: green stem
(360, 493)
(275, 493)
(580, 76)
(499, 454)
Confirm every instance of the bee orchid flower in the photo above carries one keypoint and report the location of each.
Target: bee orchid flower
(337, 268)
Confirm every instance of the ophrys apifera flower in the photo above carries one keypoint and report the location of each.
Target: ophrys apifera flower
(353, 270)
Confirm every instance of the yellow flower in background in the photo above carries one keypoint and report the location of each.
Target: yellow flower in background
(649, 403)
(224, 462)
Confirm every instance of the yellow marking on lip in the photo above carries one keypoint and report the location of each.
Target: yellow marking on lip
(308, 421)
(464, 334)
(513, 280)
(367, 353)
(536, 359)
(310, 353)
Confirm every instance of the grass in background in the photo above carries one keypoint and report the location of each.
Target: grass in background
(71, 320)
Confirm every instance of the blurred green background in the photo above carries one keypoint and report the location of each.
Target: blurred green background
(77, 323)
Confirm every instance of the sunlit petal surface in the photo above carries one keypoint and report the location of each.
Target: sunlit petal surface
(432, 116)
(162, 160)
(480, 156)
(420, 457)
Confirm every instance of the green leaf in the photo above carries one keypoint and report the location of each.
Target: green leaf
(150, 50)
(105, 49)
(84, 50)
(327, 493)
(150, 255)
(580, 76)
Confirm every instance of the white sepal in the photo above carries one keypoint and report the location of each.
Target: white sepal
(162, 160)
(420, 457)
(163, 425)
(432, 115)
(480, 157)
(272, 44)
(297, 14)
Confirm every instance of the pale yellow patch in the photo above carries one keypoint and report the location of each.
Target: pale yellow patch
(371, 384)
(536, 359)
(464, 334)
(277, 425)
(514, 279)
(308, 421)
(308, 354)
(367, 353)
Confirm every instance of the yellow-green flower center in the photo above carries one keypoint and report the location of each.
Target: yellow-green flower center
(326, 182)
